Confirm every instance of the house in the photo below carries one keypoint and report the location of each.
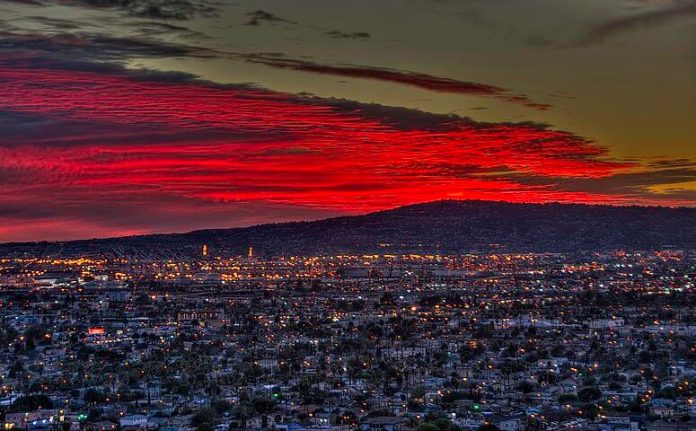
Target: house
(103, 426)
(133, 421)
(512, 423)
(618, 423)
(662, 407)
(383, 423)
(671, 426)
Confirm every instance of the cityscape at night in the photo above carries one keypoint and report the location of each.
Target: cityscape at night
(334, 215)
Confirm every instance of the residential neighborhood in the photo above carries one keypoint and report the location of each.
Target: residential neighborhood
(596, 341)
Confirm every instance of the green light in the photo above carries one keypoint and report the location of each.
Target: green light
(476, 407)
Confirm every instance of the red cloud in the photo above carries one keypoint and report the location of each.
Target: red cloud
(189, 148)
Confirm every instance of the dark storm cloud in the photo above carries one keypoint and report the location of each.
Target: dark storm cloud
(336, 34)
(675, 163)
(409, 118)
(26, 2)
(669, 12)
(161, 9)
(155, 28)
(158, 9)
(20, 129)
(99, 47)
(402, 118)
(637, 185)
(413, 79)
(259, 17)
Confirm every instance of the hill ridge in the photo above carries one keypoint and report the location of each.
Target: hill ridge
(446, 226)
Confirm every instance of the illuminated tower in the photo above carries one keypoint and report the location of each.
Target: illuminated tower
(250, 253)
(204, 251)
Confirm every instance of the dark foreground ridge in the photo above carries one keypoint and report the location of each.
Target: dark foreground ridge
(437, 227)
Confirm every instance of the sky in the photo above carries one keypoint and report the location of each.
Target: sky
(123, 117)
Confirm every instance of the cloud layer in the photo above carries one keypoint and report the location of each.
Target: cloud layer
(156, 9)
(92, 149)
(413, 79)
(650, 14)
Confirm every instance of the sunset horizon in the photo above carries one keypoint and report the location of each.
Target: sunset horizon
(166, 116)
(340, 216)
(347, 215)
